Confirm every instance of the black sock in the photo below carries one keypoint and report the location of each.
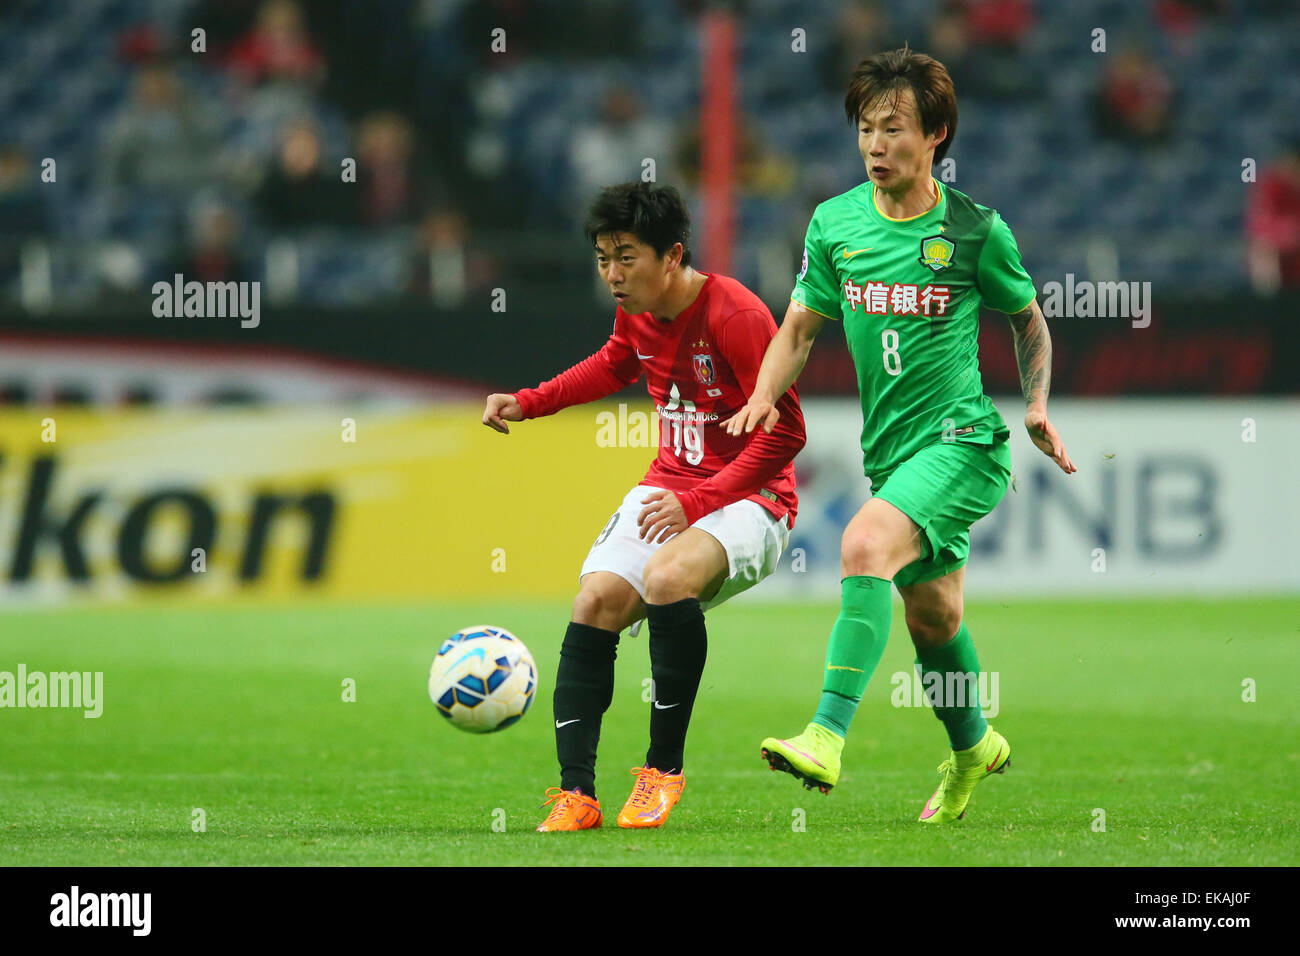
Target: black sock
(678, 646)
(584, 687)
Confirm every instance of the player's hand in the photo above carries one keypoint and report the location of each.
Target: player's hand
(662, 517)
(501, 409)
(1044, 435)
(752, 414)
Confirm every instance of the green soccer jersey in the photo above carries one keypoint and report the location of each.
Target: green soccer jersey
(909, 292)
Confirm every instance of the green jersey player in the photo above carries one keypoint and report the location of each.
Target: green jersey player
(905, 262)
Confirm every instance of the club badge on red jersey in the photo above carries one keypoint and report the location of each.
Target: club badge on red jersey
(704, 372)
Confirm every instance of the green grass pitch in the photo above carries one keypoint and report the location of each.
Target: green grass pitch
(1133, 708)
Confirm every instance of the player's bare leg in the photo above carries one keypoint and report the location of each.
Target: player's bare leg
(934, 612)
(686, 569)
(933, 609)
(878, 542)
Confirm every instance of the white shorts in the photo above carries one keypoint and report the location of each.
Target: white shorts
(753, 540)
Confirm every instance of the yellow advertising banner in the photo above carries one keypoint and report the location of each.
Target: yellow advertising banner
(285, 503)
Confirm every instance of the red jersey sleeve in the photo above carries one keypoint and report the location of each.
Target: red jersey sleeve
(613, 368)
(743, 339)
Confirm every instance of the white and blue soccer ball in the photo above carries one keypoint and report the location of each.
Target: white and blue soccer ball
(483, 679)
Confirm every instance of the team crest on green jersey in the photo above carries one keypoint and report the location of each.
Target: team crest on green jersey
(936, 252)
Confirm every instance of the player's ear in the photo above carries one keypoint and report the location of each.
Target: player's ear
(673, 257)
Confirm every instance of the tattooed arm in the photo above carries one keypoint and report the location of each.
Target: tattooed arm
(1033, 353)
(1034, 359)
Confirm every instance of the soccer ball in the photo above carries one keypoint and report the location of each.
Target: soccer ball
(482, 679)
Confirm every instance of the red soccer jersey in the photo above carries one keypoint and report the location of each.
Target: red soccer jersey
(700, 369)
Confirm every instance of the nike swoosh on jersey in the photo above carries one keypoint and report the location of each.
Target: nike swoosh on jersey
(644, 357)
(850, 255)
(566, 723)
(659, 706)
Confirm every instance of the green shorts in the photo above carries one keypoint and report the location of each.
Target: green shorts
(945, 488)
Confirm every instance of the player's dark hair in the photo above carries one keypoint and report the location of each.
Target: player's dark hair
(655, 214)
(882, 79)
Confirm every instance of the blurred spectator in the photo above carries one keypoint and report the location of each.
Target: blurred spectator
(1134, 103)
(759, 170)
(862, 28)
(493, 38)
(214, 252)
(1273, 225)
(445, 267)
(981, 43)
(23, 211)
(278, 48)
(393, 187)
(613, 149)
(162, 139)
(299, 191)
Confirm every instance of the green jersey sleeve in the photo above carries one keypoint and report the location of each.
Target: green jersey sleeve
(1002, 280)
(817, 286)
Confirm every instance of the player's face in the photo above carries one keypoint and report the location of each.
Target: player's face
(896, 152)
(637, 278)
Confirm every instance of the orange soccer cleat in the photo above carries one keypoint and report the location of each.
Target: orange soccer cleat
(572, 811)
(654, 795)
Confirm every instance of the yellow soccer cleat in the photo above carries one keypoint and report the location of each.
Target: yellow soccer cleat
(813, 757)
(654, 795)
(961, 772)
(572, 811)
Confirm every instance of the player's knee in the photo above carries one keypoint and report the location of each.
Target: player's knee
(863, 552)
(669, 581)
(596, 608)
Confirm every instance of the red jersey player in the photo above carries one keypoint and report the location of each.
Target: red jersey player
(709, 520)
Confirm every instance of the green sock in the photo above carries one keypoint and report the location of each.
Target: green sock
(856, 645)
(956, 683)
